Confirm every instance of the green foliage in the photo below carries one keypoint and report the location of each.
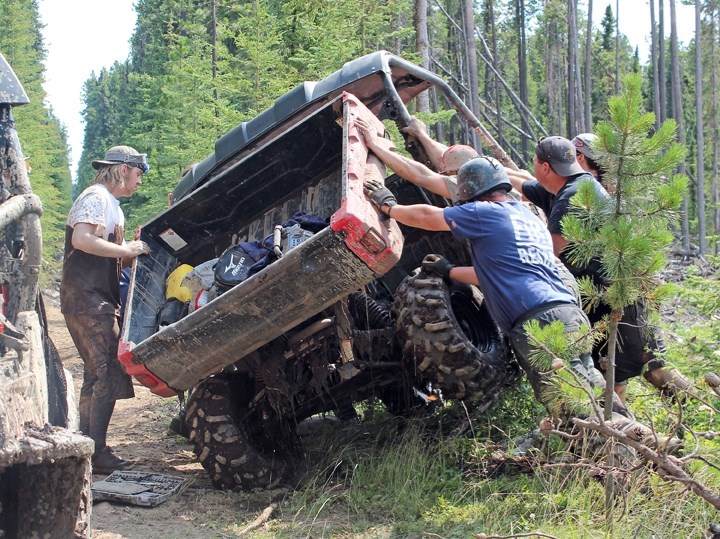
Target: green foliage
(629, 232)
(565, 393)
(41, 135)
(373, 480)
(608, 29)
(703, 293)
(695, 345)
(515, 413)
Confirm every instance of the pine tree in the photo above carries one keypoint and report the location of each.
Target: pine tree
(629, 232)
(41, 135)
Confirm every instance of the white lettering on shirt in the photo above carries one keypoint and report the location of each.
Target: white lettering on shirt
(533, 241)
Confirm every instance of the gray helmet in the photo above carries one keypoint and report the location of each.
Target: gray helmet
(480, 176)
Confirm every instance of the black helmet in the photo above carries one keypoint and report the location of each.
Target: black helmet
(480, 176)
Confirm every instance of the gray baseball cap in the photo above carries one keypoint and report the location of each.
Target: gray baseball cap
(118, 155)
(560, 153)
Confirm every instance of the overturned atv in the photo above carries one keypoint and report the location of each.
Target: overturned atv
(329, 307)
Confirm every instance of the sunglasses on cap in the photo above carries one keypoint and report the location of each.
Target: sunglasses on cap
(136, 161)
(541, 150)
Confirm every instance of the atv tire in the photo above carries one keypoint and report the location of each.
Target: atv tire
(449, 339)
(225, 435)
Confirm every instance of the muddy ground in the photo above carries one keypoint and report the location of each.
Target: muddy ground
(139, 432)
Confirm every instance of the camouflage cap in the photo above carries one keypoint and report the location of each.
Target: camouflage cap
(560, 153)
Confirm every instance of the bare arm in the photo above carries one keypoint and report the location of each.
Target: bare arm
(518, 178)
(412, 171)
(559, 242)
(85, 238)
(418, 216)
(434, 149)
(464, 274)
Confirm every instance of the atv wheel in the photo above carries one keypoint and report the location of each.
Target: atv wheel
(224, 431)
(448, 337)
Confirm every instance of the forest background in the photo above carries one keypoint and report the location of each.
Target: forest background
(196, 69)
(526, 68)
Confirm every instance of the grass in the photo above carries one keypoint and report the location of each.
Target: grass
(382, 479)
(433, 477)
(387, 479)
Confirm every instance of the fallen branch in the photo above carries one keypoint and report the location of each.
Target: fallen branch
(668, 467)
(531, 534)
(259, 521)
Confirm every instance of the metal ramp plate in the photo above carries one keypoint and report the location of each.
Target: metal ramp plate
(137, 488)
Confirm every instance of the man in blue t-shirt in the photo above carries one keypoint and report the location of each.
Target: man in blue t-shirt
(558, 176)
(513, 262)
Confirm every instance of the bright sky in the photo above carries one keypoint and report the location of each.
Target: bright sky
(83, 36)
(634, 20)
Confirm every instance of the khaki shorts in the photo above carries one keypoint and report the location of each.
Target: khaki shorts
(573, 318)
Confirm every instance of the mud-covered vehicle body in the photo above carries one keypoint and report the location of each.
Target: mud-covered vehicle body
(329, 321)
(44, 467)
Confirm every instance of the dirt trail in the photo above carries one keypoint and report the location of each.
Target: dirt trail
(139, 432)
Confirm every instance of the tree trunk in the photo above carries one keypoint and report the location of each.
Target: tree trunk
(400, 23)
(572, 78)
(213, 22)
(554, 76)
(654, 62)
(661, 60)
(714, 20)
(588, 59)
(617, 46)
(423, 48)
(615, 317)
(490, 14)
(471, 59)
(522, 70)
(700, 173)
(677, 112)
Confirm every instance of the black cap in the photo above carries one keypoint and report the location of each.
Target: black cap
(560, 153)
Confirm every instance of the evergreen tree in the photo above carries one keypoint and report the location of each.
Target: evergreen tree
(628, 233)
(607, 25)
(41, 135)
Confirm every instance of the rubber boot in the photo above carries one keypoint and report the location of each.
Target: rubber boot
(100, 415)
(84, 413)
(103, 459)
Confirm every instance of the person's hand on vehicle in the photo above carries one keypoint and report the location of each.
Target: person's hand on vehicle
(368, 132)
(137, 248)
(521, 175)
(439, 265)
(380, 195)
(416, 128)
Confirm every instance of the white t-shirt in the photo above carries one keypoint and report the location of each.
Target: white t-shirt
(97, 206)
(90, 283)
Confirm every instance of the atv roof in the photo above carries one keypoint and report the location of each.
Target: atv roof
(370, 78)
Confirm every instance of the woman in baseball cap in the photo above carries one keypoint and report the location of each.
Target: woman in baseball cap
(586, 156)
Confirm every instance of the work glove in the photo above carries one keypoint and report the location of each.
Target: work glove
(439, 265)
(379, 194)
